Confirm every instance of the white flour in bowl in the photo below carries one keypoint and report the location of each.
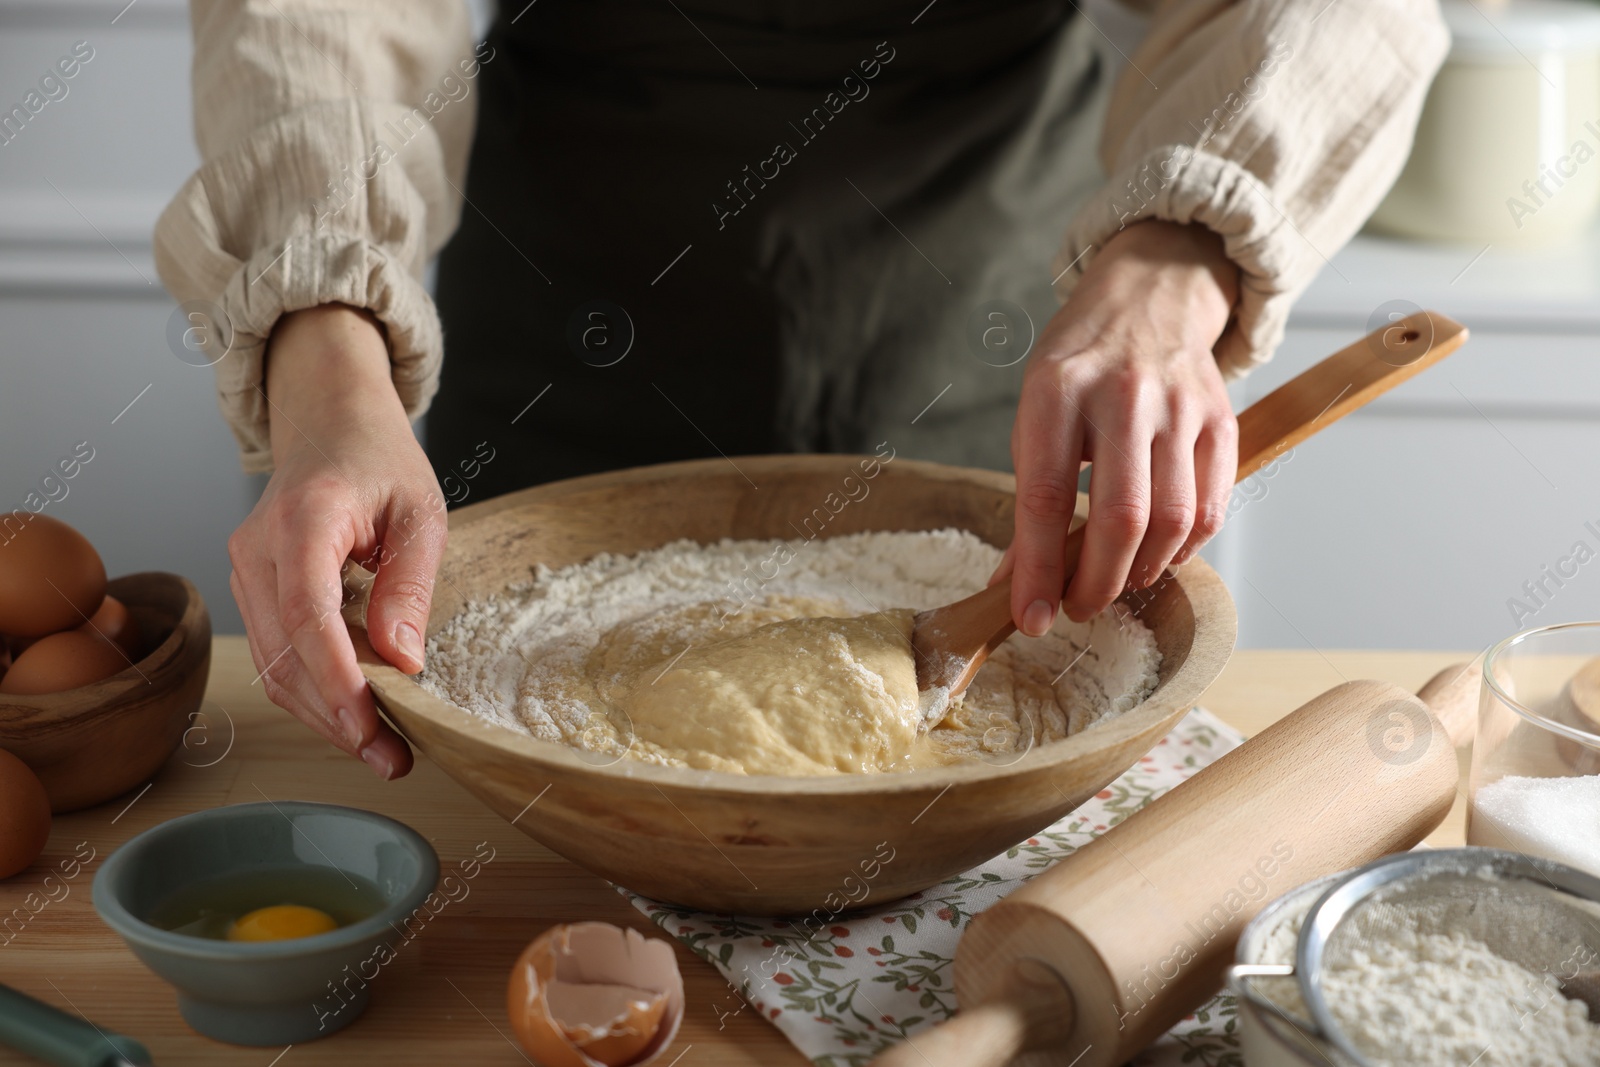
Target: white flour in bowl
(549, 657)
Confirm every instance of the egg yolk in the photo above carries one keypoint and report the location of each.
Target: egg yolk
(280, 922)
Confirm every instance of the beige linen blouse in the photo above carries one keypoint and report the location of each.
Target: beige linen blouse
(1311, 103)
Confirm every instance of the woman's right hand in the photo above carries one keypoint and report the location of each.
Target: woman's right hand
(350, 483)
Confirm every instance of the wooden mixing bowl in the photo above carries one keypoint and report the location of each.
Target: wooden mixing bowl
(96, 742)
(764, 845)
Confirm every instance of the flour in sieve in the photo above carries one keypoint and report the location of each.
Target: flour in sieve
(1436, 992)
(524, 658)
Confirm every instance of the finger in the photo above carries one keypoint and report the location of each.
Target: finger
(1049, 443)
(289, 684)
(408, 559)
(1119, 510)
(1172, 504)
(387, 753)
(1003, 569)
(310, 594)
(1216, 456)
(309, 559)
(273, 671)
(1008, 559)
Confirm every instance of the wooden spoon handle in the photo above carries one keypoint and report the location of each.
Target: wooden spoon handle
(1357, 374)
(953, 641)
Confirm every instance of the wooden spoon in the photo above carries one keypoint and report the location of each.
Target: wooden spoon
(953, 641)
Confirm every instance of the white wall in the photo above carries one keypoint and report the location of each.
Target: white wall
(83, 318)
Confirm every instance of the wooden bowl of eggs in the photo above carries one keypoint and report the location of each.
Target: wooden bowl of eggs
(761, 843)
(100, 679)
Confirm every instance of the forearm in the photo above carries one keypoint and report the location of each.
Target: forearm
(295, 204)
(1264, 131)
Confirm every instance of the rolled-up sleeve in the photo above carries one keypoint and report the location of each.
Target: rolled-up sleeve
(333, 139)
(1278, 124)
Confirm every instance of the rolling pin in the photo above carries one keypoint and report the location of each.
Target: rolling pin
(1094, 959)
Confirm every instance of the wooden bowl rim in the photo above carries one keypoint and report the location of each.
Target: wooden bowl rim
(1211, 603)
(153, 664)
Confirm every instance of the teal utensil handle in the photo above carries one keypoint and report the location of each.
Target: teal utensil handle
(54, 1036)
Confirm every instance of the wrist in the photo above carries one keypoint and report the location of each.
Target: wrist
(326, 366)
(1180, 266)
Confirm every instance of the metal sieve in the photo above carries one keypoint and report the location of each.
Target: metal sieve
(1541, 915)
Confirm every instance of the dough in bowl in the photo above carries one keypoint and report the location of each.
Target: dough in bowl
(799, 696)
(775, 657)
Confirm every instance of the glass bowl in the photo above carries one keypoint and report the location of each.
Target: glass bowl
(1535, 782)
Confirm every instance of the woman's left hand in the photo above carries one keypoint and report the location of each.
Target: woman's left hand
(1124, 376)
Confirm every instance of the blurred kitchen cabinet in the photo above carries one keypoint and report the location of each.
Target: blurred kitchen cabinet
(1463, 506)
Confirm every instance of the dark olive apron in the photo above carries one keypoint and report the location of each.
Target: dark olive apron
(720, 226)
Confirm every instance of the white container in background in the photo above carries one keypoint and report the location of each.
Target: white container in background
(1508, 148)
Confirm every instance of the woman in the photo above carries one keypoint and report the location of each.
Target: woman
(701, 228)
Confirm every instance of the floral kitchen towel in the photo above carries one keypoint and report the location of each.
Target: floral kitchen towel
(851, 989)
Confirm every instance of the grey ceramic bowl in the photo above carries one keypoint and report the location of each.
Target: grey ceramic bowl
(275, 992)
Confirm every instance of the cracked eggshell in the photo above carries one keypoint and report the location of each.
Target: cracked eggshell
(595, 995)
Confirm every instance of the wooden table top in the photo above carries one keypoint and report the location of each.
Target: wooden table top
(444, 997)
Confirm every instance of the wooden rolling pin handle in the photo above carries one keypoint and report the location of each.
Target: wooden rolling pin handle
(1452, 696)
(989, 1035)
(1034, 1010)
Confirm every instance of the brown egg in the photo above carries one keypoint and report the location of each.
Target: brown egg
(51, 578)
(24, 815)
(595, 995)
(63, 661)
(114, 622)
